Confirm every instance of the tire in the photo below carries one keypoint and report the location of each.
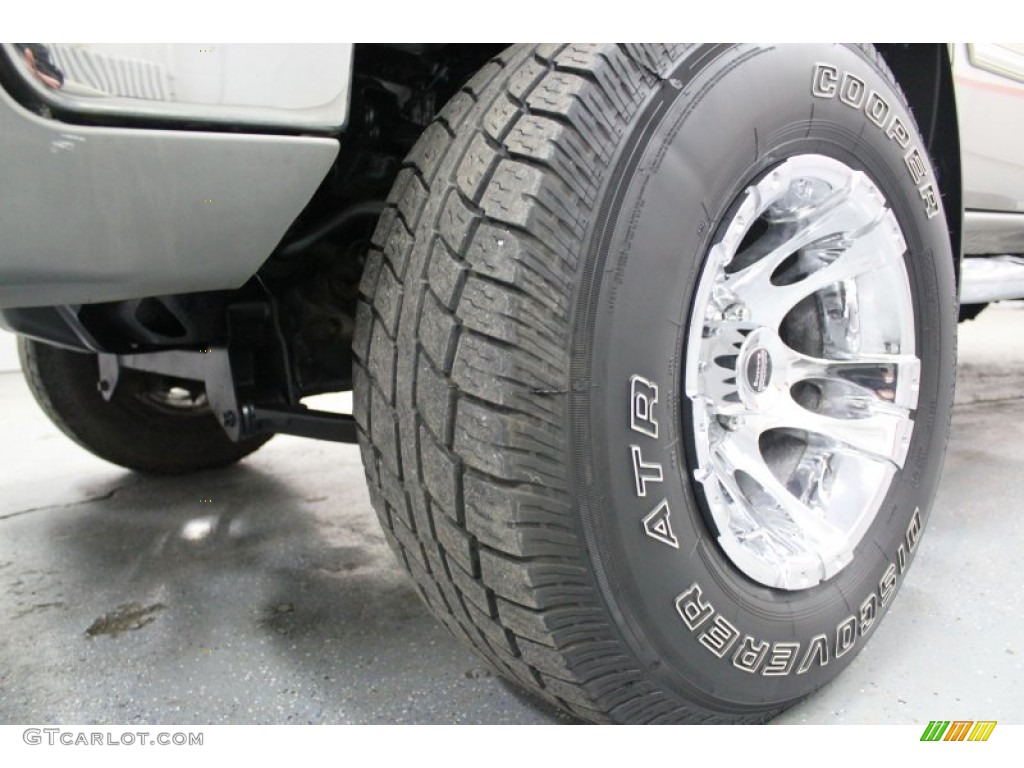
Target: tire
(140, 428)
(529, 387)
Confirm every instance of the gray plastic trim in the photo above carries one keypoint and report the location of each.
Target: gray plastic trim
(988, 232)
(91, 214)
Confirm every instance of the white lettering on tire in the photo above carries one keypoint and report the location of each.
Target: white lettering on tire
(828, 82)
(778, 659)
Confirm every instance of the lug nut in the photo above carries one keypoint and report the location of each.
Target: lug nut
(737, 312)
(731, 423)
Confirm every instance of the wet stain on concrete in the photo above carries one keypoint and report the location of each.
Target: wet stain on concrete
(340, 559)
(280, 618)
(124, 618)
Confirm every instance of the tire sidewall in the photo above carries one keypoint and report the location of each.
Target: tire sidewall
(710, 132)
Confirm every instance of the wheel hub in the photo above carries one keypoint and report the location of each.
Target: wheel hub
(801, 370)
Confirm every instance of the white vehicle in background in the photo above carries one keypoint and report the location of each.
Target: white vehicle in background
(651, 347)
(989, 82)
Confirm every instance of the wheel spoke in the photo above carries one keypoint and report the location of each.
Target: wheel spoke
(740, 453)
(870, 429)
(785, 238)
(846, 215)
(770, 304)
(892, 378)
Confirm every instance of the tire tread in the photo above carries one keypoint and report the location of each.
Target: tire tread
(470, 287)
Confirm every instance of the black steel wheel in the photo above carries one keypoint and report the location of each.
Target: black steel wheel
(152, 424)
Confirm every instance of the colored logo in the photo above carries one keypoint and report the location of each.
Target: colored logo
(759, 370)
(958, 730)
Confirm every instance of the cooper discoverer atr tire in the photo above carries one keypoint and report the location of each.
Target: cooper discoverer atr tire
(151, 424)
(655, 367)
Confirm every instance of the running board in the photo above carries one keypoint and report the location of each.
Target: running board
(991, 278)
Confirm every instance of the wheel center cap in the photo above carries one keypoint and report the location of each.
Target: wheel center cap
(759, 370)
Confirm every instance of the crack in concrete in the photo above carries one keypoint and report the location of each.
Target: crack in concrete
(109, 495)
(40, 607)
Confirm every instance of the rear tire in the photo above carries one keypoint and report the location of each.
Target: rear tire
(538, 256)
(142, 427)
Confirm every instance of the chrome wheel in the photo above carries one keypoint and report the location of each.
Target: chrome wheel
(801, 370)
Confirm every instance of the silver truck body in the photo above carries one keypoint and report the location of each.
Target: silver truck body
(135, 211)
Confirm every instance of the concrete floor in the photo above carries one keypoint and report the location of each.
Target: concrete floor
(8, 352)
(132, 600)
